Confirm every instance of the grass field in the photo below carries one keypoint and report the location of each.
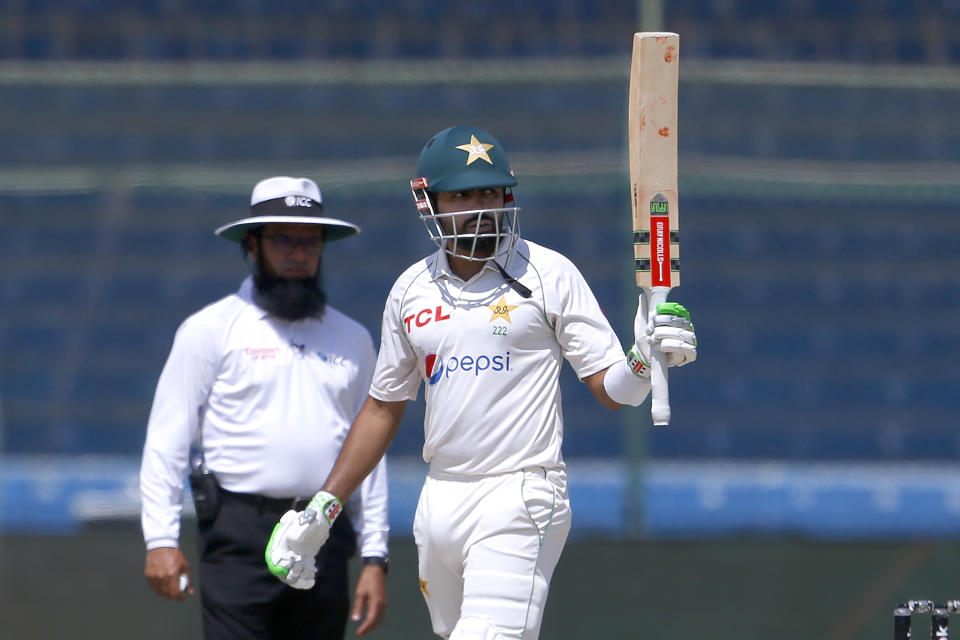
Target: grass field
(90, 585)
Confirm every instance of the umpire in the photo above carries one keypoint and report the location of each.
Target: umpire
(264, 384)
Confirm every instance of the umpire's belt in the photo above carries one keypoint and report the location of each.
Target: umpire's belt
(264, 503)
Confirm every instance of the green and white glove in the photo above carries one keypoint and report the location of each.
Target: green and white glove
(283, 562)
(297, 538)
(671, 332)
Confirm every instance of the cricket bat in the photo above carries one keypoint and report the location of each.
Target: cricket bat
(654, 80)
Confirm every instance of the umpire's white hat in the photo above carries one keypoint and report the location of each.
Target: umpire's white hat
(285, 199)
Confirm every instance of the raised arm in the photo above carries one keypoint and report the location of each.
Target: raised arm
(670, 333)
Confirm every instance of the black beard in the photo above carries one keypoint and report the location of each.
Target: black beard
(289, 298)
(484, 245)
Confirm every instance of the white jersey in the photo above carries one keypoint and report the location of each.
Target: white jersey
(490, 359)
(274, 401)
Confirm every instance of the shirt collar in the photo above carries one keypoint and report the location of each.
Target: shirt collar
(439, 265)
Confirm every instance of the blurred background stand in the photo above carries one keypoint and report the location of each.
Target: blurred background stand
(819, 183)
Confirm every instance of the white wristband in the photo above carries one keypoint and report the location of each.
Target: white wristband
(624, 386)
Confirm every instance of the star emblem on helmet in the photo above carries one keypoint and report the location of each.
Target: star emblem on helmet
(476, 150)
(501, 309)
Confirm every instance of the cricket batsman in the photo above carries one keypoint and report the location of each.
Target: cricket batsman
(483, 324)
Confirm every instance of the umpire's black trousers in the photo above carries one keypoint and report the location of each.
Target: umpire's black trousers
(241, 600)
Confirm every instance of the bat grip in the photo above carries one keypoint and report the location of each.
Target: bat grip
(659, 390)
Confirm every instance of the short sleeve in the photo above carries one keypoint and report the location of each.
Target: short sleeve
(395, 377)
(583, 331)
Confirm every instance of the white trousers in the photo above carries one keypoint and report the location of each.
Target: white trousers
(488, 546)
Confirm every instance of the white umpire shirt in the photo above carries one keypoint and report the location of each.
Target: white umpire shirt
(274, 400)
(490, 359)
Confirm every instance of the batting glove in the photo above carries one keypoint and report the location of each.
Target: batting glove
(297, 539)
(671, 333)
(284, 562)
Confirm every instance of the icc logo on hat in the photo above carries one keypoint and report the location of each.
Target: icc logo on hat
(272, 201)
(298, 201)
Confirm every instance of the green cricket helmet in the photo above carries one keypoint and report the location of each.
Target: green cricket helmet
(461, 159)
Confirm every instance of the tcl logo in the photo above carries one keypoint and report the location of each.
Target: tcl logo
(424, 317)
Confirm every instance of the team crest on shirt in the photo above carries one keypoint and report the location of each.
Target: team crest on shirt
(501, 309)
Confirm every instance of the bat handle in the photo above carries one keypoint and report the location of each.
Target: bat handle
(659, 390)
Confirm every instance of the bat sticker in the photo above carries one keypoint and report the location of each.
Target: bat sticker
(660, 244)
